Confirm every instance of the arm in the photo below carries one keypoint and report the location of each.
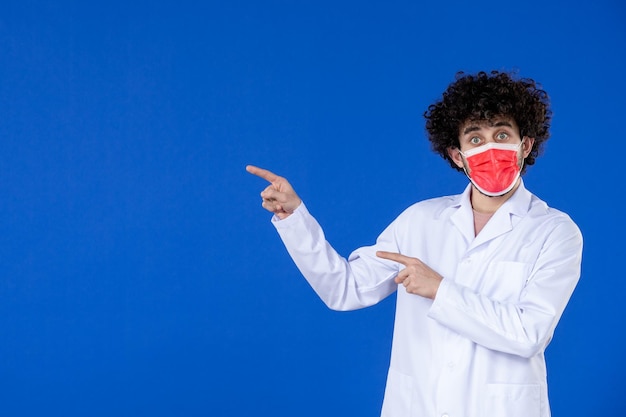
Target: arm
(360, 281)
(524, 327)
(343, 284)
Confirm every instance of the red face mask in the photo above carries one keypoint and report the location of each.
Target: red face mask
(493, 168)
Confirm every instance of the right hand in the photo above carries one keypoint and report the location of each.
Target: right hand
(279, 197)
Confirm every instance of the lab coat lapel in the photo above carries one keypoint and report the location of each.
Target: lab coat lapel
(499, 224)
(463, 217)
(503, 219)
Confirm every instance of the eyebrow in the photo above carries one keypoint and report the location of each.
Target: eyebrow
(496, 124)
(470, 129)
(502, 123)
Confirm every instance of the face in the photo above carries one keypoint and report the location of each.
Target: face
(473, 134)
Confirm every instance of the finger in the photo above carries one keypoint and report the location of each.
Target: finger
(396, 257)
(263, 173)
(402, 277)
(271, 206)
(271, 194)
(402, 280)
(267, 192)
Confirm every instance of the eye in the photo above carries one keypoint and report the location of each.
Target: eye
(502, 136)
(475, 140)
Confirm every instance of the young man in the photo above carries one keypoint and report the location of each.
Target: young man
(482, 277)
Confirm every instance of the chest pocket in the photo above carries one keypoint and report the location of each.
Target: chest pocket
(505, 280)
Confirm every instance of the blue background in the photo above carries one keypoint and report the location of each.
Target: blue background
(139, 275)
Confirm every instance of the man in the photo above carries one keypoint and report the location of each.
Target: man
(482, 277)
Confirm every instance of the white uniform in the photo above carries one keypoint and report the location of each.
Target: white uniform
(477, 350)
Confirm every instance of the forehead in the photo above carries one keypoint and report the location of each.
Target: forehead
(499, 121)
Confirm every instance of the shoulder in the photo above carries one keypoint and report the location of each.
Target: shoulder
(539, 208)
(551, 219)
(432, 208)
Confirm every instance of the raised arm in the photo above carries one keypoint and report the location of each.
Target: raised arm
(343, 284)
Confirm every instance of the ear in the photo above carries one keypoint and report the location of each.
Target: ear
(455, 155)
(527, 146)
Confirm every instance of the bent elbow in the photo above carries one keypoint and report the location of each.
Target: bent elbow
(338, 304)
(529, 350)
(335, 307)
(531, 347)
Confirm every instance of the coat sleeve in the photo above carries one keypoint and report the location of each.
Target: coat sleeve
(344, 284)
(524, 327)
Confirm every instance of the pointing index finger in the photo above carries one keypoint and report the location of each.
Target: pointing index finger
(392, 256)
(263, 173)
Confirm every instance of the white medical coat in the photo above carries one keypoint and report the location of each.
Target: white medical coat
(477, 350)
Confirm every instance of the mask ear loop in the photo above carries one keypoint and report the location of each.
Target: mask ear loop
(522, 158)
(465, 167)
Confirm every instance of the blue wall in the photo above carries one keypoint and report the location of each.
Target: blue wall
(139, 275)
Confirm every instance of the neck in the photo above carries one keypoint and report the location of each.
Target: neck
(485, 204)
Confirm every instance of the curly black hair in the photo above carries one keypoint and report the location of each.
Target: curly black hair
(484, 97)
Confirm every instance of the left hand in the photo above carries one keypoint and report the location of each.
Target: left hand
(418, 278)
